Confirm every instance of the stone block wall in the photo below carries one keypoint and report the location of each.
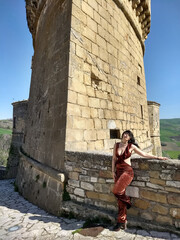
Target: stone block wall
(106, 88)
(46, 121)
(3, 172)
(40, 184)
(90, 179)
(155, 189)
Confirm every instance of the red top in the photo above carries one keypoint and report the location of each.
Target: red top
(126, 154)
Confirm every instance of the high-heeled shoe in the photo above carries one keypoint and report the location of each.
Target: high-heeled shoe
(119, 226)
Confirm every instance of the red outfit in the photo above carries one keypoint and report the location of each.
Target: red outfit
(124, 176)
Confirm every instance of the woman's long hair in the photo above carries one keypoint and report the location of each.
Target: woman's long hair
(132, 139)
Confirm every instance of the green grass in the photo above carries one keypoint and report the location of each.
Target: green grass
(173, 154)
(178, 144)
(77, 231)
(5, 131)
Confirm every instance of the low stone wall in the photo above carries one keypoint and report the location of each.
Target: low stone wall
(3, 172)
(40, 184)
(14, 156)
(155, 190)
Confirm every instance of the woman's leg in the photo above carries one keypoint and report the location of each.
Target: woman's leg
(119, 191)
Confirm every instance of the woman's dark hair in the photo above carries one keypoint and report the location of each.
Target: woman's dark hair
(132, 139)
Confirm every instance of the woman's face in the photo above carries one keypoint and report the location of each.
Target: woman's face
(126, 137)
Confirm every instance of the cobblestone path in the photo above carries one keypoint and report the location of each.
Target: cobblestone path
(20, 219)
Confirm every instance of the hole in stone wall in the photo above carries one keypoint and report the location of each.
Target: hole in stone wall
(114, 133)
(34, 4)
(95, 81)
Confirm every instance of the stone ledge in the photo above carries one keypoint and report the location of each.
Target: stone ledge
(87, 211)
(148, 225)
(108, 157)
(84, 211)
(43, 168)
(20, 102)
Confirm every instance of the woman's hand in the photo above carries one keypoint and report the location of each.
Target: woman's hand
(114, 175)
(162, 158)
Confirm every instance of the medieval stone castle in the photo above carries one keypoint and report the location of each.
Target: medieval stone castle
(87, 87)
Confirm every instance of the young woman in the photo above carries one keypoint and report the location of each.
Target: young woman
(123, 173)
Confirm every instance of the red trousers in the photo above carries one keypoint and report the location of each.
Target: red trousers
(124, 176)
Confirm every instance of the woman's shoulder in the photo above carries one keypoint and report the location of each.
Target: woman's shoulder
(132, 146)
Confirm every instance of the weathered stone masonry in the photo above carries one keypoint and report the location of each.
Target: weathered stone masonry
(87, 87)
(88, 59)
(106, 87)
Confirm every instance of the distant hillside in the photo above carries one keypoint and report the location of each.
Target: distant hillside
(6, 123)
(170, 137)
(5, 139)
(170, 129)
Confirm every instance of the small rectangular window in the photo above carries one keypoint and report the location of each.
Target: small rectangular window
(114, 133)
(14, 122)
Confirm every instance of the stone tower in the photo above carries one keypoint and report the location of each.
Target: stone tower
(19, 119)
(88, 83)
(153, 109)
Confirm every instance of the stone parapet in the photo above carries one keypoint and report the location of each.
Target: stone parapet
(137, 11)
(33, 10)
(155, 190)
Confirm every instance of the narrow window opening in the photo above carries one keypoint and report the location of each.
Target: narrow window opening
(138, 80)
(24, 139)
(114, 133)
(14, 122)
(141, 111)
(48, 106)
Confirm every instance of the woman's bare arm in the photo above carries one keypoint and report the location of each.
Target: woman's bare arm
(146, 155)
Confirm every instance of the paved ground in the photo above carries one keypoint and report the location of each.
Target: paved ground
(20, 219)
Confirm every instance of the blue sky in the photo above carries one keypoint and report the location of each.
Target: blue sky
(162, 56)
